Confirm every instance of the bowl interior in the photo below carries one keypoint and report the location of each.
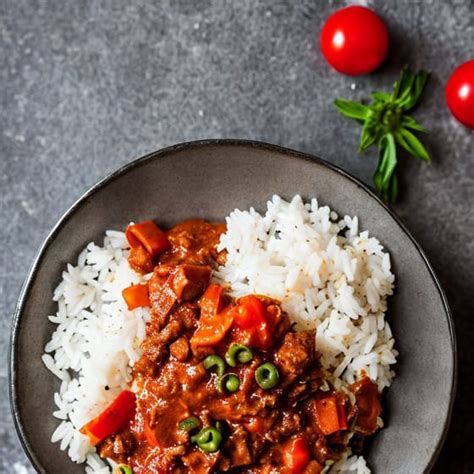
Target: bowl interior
(209, 180)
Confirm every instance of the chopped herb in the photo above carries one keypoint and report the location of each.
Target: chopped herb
(386, 125)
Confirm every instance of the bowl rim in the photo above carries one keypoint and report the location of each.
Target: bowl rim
(234, 142)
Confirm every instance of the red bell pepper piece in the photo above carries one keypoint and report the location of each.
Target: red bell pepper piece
(296, 454)
(212, 301)
(131, 239)
(136, 296)
(189, 281)
(214, 323)
(113, 419)
(212, 331)
(149, 235)
(327, 415)
(252, 319)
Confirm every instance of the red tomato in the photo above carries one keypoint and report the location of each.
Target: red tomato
(459, 93)
(354, 40)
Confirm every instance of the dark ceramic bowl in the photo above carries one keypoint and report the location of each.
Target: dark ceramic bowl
(209, 179)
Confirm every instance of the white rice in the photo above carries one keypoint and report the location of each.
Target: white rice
(328, 275)
(95, 344)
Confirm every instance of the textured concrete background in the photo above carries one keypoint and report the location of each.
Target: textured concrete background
(86, 86)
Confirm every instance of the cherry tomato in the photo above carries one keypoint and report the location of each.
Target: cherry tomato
(459, 93)
(354, 40)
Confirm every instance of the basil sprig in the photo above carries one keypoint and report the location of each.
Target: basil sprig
(385, 124)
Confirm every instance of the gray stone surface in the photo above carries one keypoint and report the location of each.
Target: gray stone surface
(87, 86)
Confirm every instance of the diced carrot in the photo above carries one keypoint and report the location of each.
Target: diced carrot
(327, 415)
(214, 321)
(140, 260)
(212, 329)
(136, 296)
(149, 235)
(212, 301)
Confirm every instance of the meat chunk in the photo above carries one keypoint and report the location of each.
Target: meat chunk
(124, 443)
(321, 450)
(180, 349)
(238, 448)
(313, 468)
(189, 281)
(140, 260)
(282, 321)
(288, 423)
(162, 297)
(118, 446)
(194, 241)
(183, 283)
(199, 463)
(295, 355)
(160, 339)
(187, 315)
(368, 406)
(155, 346)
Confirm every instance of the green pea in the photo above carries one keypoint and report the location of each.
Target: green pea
(123, 469)
(208, 439)
(238, 353)
(230, 382)
(215, 362)
(189, 423)
(267, 376)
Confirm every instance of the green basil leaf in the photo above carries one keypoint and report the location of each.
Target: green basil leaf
(390, 157)
(386, 165)
(415, 92)
(412, 145)
(403, 85)
(419, 84)
(368, 136)
(381, 96)
(351, 109)
(381, 166)
(409, 122)
(384, 123)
